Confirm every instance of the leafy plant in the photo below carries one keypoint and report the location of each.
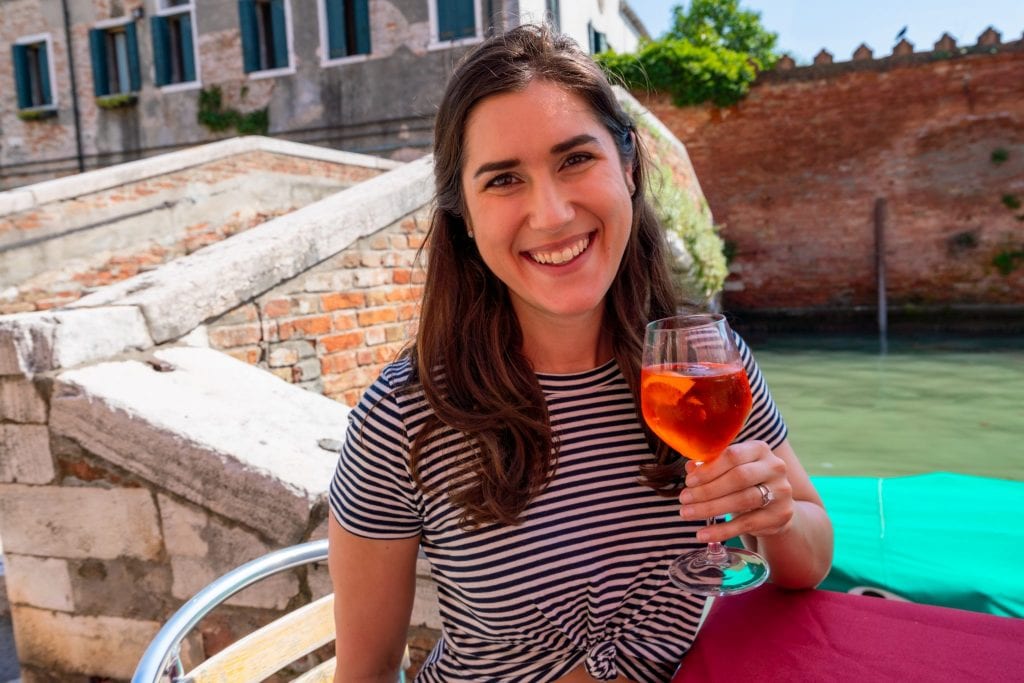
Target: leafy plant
(217, 118)
(36, 114)
(1011, 201)
(712, 54)
(699, 262)
(999, 155)
(1008, 260)
(116, 101)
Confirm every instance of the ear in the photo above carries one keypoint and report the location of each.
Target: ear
(627, 168)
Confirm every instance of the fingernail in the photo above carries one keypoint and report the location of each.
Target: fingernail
(702, 536)
(692, 480)
(685, 497)
(688, 511)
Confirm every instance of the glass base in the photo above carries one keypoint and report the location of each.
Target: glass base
(736, 571)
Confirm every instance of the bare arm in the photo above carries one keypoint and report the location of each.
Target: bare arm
(793, 532)
(374, 585)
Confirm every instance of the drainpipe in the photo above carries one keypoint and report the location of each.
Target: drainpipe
(74, 86)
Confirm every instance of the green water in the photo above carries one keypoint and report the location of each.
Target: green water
(923, 406)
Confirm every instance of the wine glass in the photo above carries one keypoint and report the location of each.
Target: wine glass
(694, 394)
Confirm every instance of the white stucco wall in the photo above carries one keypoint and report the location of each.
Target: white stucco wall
(574, 16)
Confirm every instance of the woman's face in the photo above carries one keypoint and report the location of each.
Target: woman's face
(548, 199)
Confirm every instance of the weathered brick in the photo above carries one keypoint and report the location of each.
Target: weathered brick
(376, 316)
(248, 354)
(374, 335)
(26, 454)
(344, 321)
(306, 370)
(277, 308)
(340, 342)
(372, 277)
(337, 300)
(337, 362)
(229, 336)
(313, 325)
(281, 356)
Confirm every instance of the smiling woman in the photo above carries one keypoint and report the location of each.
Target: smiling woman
(506, 443)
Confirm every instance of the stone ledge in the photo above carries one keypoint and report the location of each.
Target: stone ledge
(34, 343)
(217, 432)
(22, 199)
(179, 296)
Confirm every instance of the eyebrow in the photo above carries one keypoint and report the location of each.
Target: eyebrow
(561, 147)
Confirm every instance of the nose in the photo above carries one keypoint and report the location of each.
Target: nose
(551, 207)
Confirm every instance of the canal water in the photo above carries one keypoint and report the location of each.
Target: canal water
(926, 405)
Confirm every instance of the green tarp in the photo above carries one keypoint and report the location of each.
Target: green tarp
(942, 539)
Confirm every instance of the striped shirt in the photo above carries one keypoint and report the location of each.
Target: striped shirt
(582, 578)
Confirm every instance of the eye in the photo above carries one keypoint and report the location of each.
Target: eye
(577, 158)
(503, 180)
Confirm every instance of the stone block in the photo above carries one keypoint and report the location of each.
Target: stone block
(21, 401)
(31, 343)
(256, 462)
(202, 547)
(425, 611)
(79, 522)
(26, 454)
(126, 587)
(38, 582)
(85, 645)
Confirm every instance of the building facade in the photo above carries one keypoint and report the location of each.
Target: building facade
(99, 82)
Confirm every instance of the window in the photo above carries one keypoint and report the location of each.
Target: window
(174, 57)
(31, 58)
(115, 59)
(554, 15)
(264, 34)
(347, 27)
(456, 19)
(598, 40)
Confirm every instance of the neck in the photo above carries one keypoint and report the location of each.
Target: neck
(560, 347)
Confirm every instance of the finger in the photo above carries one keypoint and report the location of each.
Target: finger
(740, 479)
(759, 523)
(735, 502)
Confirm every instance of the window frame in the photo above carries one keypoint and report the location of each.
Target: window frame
(165, 9)
(325, 42)
(435, 29)
(38, 39)
(277, 70)
(106, 25)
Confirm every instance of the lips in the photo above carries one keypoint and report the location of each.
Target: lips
(562, 255)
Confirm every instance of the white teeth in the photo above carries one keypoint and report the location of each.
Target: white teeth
(562, 256)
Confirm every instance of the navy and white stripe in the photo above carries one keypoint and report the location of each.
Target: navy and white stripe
(582, 577)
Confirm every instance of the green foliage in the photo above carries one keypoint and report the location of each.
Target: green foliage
(1011, 201)
(214, 116)
(690, 74)
(116, 101)
(699, 264)
(36, 114)
(722, 24)
(1008, 260)
(712, 54)
(999, 155)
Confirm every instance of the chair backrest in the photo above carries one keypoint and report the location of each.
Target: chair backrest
(259, 654)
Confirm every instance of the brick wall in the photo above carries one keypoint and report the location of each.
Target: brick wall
(334, 327)
(793, 171)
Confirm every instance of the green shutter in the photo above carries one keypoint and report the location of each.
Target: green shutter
(44, 75)
(336, 46)
(455, 19)
(134, 72)
(160, 37)
(98, 51)
(21, 77)
(280, 33)
(188, 55)
(362, 15)
(250, 41)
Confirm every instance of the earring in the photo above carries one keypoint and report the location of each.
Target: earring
(470, 233)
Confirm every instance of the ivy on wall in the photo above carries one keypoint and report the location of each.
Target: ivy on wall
(217, 118)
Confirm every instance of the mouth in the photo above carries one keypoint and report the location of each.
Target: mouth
(561, 255)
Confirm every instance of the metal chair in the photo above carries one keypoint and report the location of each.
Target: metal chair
(259, 654)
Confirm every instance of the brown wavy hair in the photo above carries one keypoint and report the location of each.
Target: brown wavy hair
(467, 355)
